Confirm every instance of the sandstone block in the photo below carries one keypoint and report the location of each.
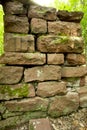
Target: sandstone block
(10, 123)
(14, 7)
(38, 26)
(74, 71)
(48, 89)
(72, 82)
(23, 58)
(70, 16)
(42, 12)
(55, 59)
(39, 124)
(17, 122)
(43, 73)
(64, 28)
(83, 96)
(10, 74)
(32, 104)
(76, 59)
(16, 24)
(18, 43)
(16, 91)
(63, 105)
(61, 44)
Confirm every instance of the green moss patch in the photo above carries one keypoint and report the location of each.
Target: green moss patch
(10, 91)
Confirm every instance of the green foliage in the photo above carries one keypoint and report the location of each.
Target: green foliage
(1, 29)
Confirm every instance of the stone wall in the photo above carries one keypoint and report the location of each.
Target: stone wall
(42, 71)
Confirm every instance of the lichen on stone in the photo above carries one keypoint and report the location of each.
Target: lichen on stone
(60, 40)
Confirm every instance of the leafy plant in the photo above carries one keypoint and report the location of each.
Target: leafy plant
(1, 29)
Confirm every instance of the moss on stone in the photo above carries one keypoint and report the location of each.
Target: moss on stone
(33, 115)
(19, 34)
(31, 127)
(72, 79)
(19, 92)
(60, 40)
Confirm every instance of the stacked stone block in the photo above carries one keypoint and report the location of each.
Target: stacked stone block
(43, 70)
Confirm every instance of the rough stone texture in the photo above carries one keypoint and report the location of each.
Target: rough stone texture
(63, 105)
(10, 123)
(39, 90)
(16, 91)
(8, 114)
(51, 43)
(26, 115)
(16, 24)
(76, 59)
(64, 28)
(23, 58)
(83, 96)
(2, 108)
(72, 82)
(44, 73)
(83, 81)
(42, 12)
(38, 26)
(32, 104)
(39, 124)
(10, 74)
(55, 59)
(78, 71)
(14, 7)
(48, 89)
(18, 43)
(22, 126)
(70, 16)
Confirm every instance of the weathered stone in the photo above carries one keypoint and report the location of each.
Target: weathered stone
(83, 96)
(14, 7)
(72, 82)
(48, 89)
(63, 105)
(83, 81)
(23, 126)
(2, 108)
(70, 16)
(26, 115)
(64, 28)
(18, 43)
(78, 71)
(16, 24)
(43, 73)
(39, 124)
(11, 122)
(75, 59)
(38, 26)
(10, 74)
(32, 104)
(51, 43)
(16, 91)
(42, 12)
(23, 58)
(55, 59)
(35, 115)
(8, 114)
